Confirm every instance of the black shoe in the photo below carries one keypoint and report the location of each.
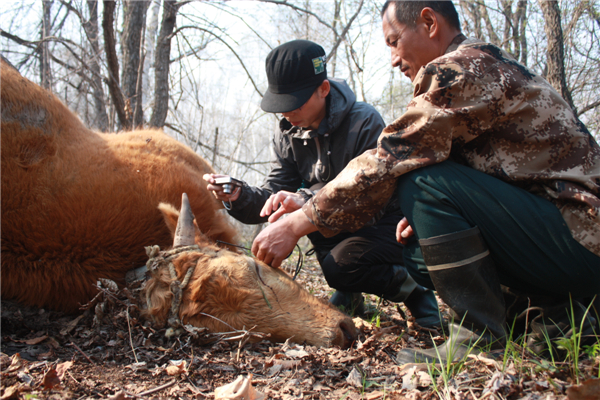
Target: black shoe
(421, 302)
(352, 304)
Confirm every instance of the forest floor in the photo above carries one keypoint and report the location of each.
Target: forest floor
(108, 351)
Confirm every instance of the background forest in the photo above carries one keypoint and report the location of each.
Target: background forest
(196, 68)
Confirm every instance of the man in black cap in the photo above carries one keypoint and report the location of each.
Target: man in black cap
(322, 129)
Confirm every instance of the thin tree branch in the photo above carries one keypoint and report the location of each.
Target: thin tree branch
(228, 46)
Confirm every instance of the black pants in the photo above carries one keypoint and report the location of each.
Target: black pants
(529, 241)
(360, 261)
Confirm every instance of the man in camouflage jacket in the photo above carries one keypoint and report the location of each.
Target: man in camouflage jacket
(498, 179)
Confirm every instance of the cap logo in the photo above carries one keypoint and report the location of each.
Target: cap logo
(319, 64)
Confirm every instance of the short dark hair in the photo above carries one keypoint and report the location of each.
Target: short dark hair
(407, 12)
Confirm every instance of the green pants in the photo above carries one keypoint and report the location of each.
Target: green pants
(528, 239)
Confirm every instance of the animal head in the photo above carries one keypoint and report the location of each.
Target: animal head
(241, 292)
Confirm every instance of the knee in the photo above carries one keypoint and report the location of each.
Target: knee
(332, 271)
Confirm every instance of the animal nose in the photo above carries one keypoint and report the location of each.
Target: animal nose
(348, 333)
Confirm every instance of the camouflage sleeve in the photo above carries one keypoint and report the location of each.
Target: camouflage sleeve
(448, 106)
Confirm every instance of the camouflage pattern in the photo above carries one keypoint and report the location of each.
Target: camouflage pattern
(478, 106)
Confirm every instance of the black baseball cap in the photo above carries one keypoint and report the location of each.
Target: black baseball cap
(294, 70)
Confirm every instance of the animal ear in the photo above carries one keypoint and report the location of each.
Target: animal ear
(170, 215)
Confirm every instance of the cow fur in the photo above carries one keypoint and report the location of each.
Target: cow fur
(79, 205)
(244, 293)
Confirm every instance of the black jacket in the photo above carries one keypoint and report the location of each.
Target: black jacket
(305, 159)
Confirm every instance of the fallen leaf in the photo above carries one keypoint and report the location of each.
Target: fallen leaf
(355, 378)
(417, 367)
(16, 363)
(138, 366)
(410, 381)
(375, 395)
(11, 393)
(275, 369)
(118, 396)
(33, 341)
(177, 367)
(588, 390)
(62, 368)
(50, 379)
(71, 325)
(288, 364)
(293, 353)
(485, 360)
(4, 361)
(53, 343)
(240, 389)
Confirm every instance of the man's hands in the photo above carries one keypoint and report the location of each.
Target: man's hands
(282, 202)
(218, 189)
(274, 243)
(403, 231)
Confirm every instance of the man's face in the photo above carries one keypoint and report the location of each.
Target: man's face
(311, 113)
(409, 46)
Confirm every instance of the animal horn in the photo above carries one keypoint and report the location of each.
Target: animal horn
(184, 233)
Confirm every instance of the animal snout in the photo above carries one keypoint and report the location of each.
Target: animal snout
(346, 334)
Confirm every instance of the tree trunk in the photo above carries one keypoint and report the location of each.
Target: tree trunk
(113, 64)
(522, 12)
(45, 77)
(91, 27)
(556, 65)
(133, 26)
(163, 54)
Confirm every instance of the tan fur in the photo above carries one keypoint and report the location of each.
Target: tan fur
(78, 205)
(232, 287)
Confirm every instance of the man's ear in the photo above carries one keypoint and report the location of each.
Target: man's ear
(430, 19)
(325, 88)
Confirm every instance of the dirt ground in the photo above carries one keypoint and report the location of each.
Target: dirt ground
(108, 351)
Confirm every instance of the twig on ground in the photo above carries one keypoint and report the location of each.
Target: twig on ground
(81, 351)
(157, 389)
(130, 338)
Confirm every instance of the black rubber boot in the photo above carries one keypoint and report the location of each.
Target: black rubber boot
(561, 321)
(464, 276)
(352, 304)
(546, 319)
(421, 302)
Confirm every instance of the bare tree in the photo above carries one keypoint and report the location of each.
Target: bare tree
(114, 87)
(134, 21)
(162, 61)
(556, 66)
(91, 29)
(44, 53)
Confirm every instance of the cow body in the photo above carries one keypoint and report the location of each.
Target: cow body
(78, 205)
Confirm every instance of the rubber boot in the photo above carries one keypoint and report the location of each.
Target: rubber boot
(421, 302)
(465, 278)
(561, 321)
(352, 304)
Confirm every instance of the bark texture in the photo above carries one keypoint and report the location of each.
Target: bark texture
(556, 66)
(162, 61)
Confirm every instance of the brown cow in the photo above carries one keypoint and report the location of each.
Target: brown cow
(79, 205)
(224, 290)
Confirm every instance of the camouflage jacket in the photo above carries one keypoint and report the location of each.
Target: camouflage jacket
(478, 105)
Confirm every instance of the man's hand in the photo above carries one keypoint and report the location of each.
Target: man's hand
(218, 189)
(274, 243)
(284, 202)
(403, 231)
